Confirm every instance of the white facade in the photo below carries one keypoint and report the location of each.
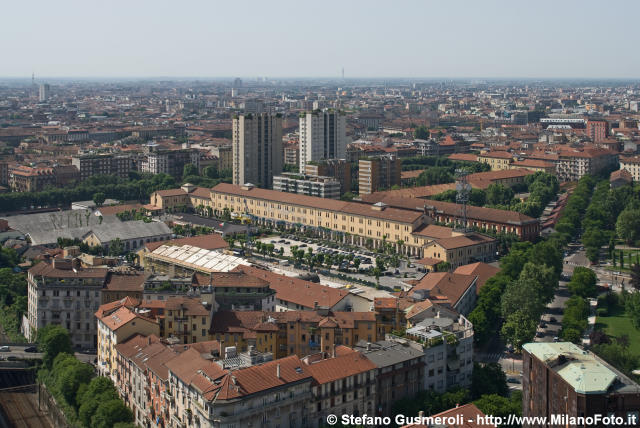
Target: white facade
(66, 300)
(322, 136)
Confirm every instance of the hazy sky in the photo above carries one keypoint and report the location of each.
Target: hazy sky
(276, 38)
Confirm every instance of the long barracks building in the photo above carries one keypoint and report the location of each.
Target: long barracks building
(390, 220)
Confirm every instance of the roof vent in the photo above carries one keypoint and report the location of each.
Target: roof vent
(379, 206)
(247, 186)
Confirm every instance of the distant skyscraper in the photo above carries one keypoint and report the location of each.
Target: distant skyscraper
(257, 148)
(237, 83)
(44, 92)
(322, 136)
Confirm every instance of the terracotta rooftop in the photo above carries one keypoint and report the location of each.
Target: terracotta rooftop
(483, 271)
(346, 363)
(451, 285)
(208, 242)
(298, 291)
(390, 214)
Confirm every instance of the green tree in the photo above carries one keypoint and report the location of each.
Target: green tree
(635, 276)
(632, 308)
(209, 172)
(100, 389)
(583, 282)
(70, 373)
(99, 198)
(443, 267)
(497, 194)
(488, 379)
(421, 133)
(519, 328)
(109, 413)
(116, 247)
(53, 340)
(189, 170)
(628, 225)
(500, 406)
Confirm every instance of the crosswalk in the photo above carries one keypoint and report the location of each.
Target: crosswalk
(490, 357)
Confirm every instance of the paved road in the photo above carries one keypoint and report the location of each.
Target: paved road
(18, 352)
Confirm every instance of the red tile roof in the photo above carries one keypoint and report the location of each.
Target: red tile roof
(451, 285)
(208, 242)
(298, 291)
(346, 363)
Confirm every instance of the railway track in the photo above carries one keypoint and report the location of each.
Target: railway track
(21, 410)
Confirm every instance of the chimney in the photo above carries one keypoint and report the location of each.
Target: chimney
(368, 346)
(333, 351)
(278, 371)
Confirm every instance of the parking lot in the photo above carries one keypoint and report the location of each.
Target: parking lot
(391, 277)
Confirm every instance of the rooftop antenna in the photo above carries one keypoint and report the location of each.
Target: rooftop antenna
(462, 195)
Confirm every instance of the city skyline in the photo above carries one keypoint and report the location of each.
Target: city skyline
(494, 39)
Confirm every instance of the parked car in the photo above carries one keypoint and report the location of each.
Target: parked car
(513, 380)
(539, 334)
(12, 358)
(542, 325)
(553, 319)
(556, 339)
(31, 349)
(5, 349)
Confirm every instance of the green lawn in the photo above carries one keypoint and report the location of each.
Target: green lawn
(616, 324)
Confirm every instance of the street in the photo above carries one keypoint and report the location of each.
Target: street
(19, 353)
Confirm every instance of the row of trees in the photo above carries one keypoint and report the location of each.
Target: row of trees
(210, 176)
(512, 301)
(611, 212)
(568, 226)
(86, 400)
(137, 187)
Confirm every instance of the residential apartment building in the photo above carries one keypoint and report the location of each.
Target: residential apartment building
(63, 293)
(44, 92)
(597, 130)
(563, 380)
(382, 172)
(339, 169)
(451, 290)
(275, 393)
(102, 164)
(293, 332)
(172, 162)
(117, 322)
(344, 383)
(497, 160)
(257, 148)
(632, 165)
(225, 157)
(233, 291)
(291, 154)
(573, 164)
(322, 187)
(322, 136)
(29, 179)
